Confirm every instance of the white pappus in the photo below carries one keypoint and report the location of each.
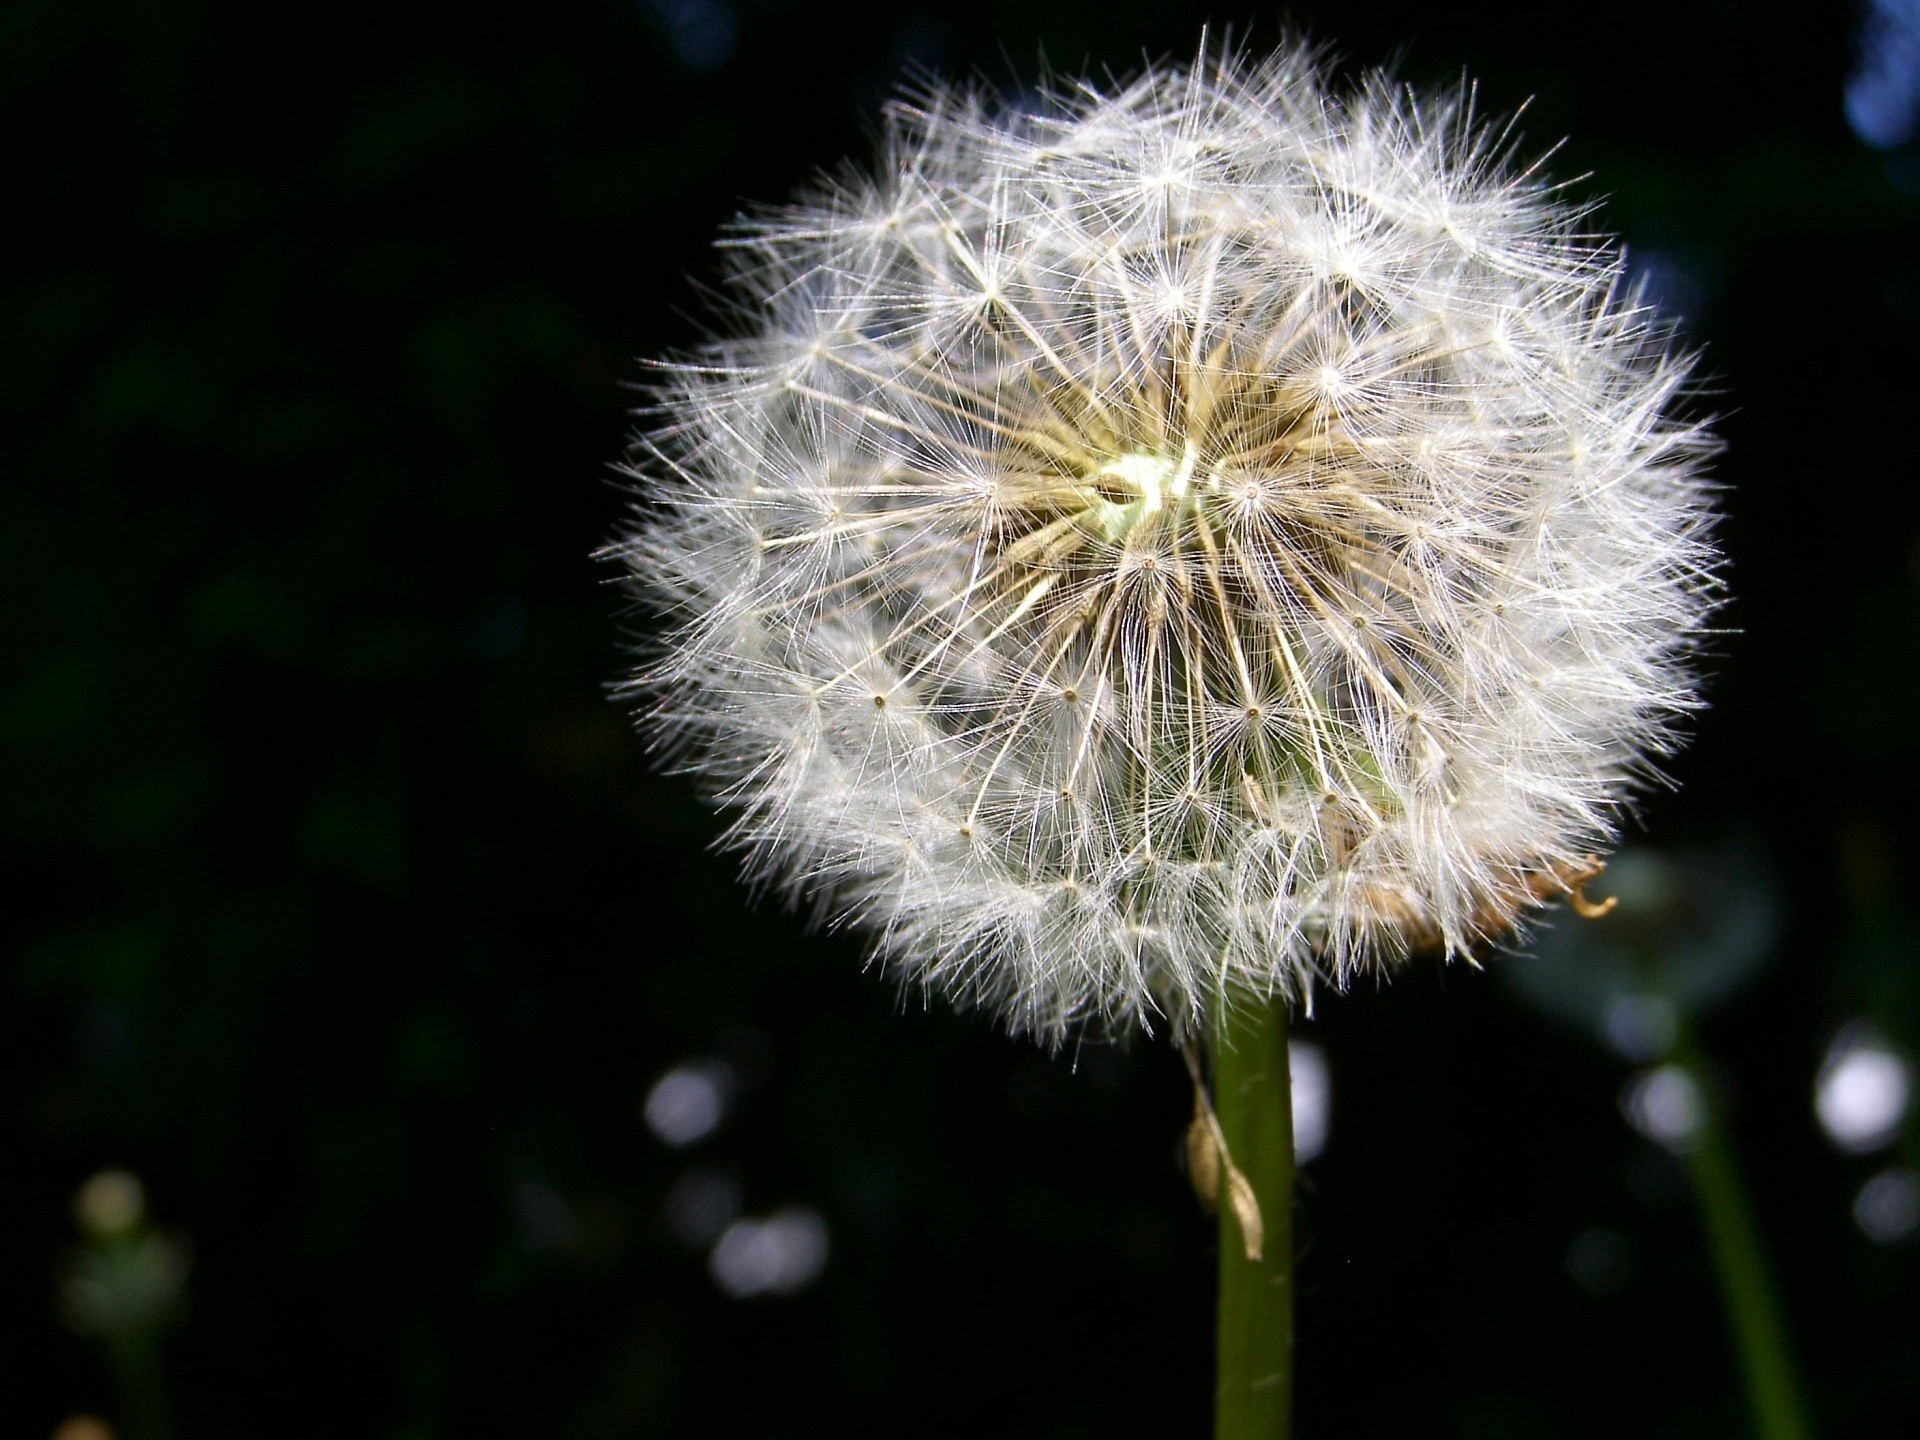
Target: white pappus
(1194, 536)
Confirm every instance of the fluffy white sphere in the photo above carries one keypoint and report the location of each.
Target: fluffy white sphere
(1158, 543)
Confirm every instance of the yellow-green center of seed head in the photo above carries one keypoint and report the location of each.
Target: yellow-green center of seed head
(1136, 487)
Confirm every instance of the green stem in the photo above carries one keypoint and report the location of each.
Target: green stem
(133, 1355)
(1753, 1311)
(1253, 1394)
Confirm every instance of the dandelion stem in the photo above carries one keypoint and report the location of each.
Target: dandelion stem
(1253, 1392)
(1753, 1309)
(133, 1355)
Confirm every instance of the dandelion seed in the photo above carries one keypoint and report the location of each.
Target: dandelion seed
(1203, 535)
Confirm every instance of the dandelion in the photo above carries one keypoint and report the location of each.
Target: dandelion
(1157, 549)
(1209, 536)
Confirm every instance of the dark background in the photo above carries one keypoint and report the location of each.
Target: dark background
(340, 904)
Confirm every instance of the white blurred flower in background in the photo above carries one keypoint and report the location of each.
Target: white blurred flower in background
(1311, 1089)
(777, 1255)
(1862, 1091)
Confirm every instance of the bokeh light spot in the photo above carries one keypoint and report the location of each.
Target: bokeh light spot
(689, 1102)
(703, 33)
(111, 1204)
(1883, 94)
(783, 1253)
(1665, 1105)
(1641, 1028)
(1312, 1098)
(1887, 1209)
(1862, 1092)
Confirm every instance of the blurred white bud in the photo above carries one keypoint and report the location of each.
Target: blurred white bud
(1312, 1090)
(1862, 1091)
(1642, 1027)
(689, 1102)
(783, 1253)
(1665, 1105)
(1887, 1209)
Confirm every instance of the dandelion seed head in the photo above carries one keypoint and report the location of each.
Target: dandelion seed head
(1199, 536)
